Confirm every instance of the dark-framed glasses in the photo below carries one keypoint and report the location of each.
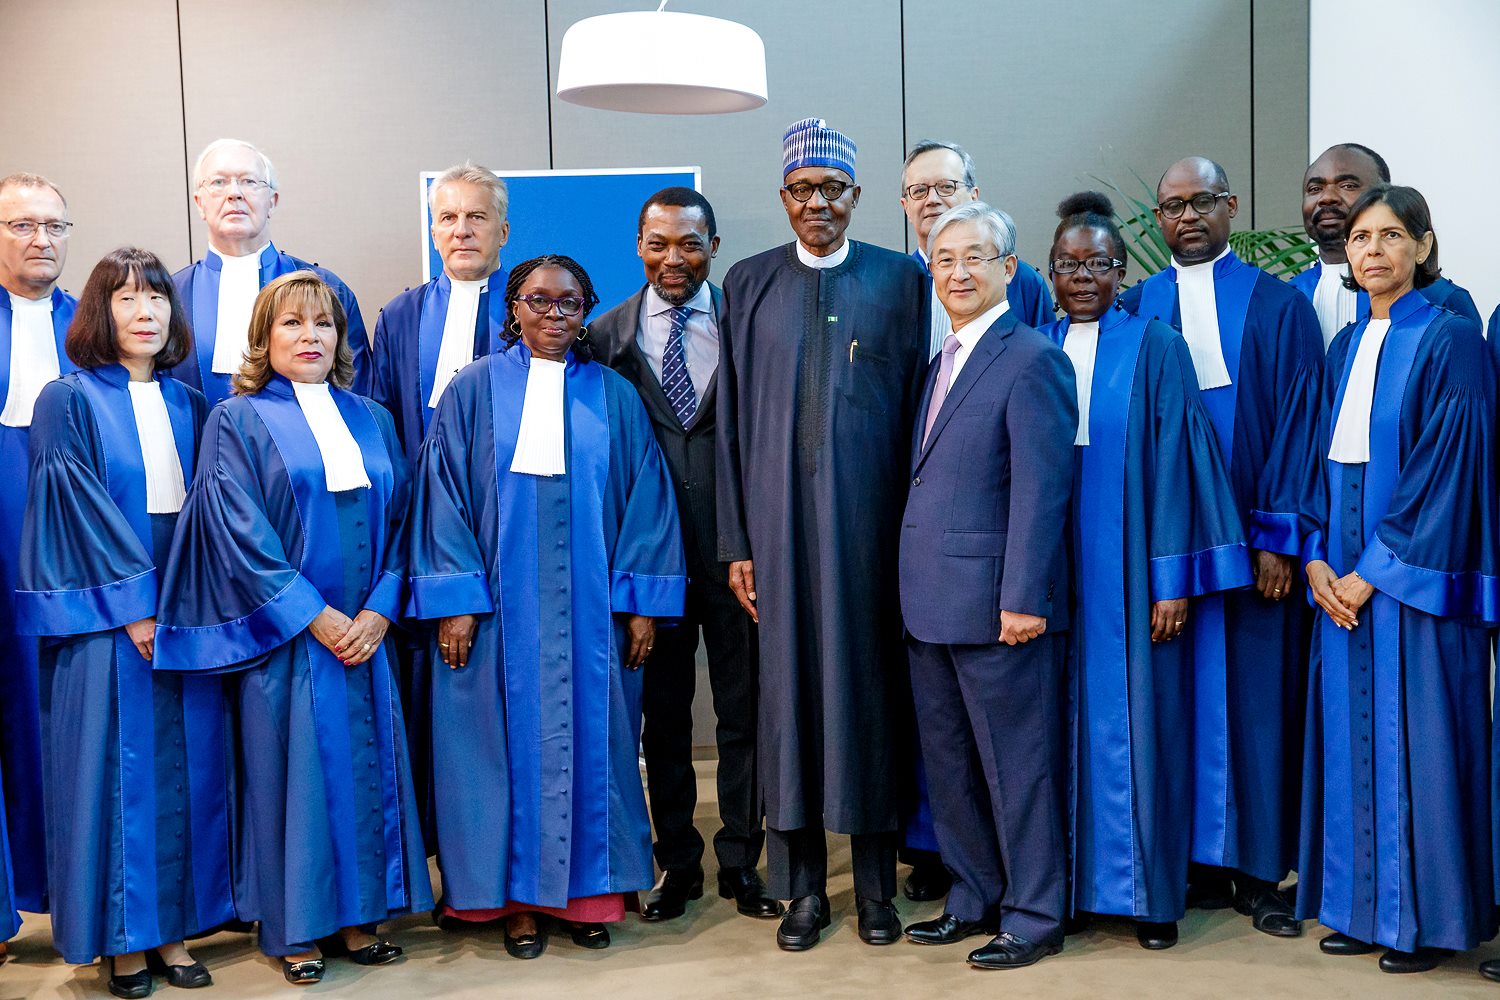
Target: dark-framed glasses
(1203, 204)
(947, 188)
(1094, 265)
(248, 185)
(972, 262)
(803, 190)
(568, 305)
(25, 229)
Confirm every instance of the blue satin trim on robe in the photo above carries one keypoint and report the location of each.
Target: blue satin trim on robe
(434, 314)
(385, 598)
(1196, 574)
(449, 594)
(205, 307)
(94, 609)
(1277, 533)
(227, 646)
(641, 594)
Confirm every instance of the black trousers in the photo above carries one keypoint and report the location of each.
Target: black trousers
(993, 739)
(798, 863)
(667, 730)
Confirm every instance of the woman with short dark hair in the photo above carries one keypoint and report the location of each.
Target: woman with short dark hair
(135, 775)
(286, 572)
(1396, 850)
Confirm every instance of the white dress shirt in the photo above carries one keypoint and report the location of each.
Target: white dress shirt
(343, 463)
(811, 259)
(456, 349)
(1081, 345)
(239, 284)
(33, 357)
(540, 442)
(1199, 305)
(1351, 434)
(968, 335)
(165, 489)
(1335, 305)
(700, 336)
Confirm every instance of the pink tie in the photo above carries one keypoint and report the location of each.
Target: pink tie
(940, 391)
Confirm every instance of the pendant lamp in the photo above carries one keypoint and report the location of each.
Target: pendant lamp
(662, 62)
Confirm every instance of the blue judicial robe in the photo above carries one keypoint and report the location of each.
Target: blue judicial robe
(20, 723)
(1492, 332)
(1027, 294)
(1154, 518)
(819, 376)
(535, 767)
(137, 770)
(1442, 292)
(1396, 847)
(326, 823)
(198, 286)
(10, 918)
(1250, 652)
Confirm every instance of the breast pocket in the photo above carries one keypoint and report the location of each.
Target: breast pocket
(870, 382)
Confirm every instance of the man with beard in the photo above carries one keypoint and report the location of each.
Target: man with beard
(1258, 357)
(665, 340)
(824, 349)
(1330, 186)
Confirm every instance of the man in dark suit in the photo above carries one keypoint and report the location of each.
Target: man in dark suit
(665, 340)
(984, 598)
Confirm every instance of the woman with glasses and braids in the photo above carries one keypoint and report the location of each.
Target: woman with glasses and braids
(1154, 524)
(544, 539)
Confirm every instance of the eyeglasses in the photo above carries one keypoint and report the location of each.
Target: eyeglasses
(1095, 265)
(26, 228)
(248, 185)
(803, 191)
(568, 305)
(945, 188)
(1204, 203)
(971, 263)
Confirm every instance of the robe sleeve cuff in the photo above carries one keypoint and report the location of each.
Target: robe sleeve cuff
(450, 594)
(1314, 549)
(387, 596)
(1193, 574)
(214, 647)
(78, 612)
(1275, 533)
(1468, 595)
(641, 594)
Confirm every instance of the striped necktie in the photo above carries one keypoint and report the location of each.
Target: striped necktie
(674, 373)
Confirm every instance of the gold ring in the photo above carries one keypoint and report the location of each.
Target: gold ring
(443, 644)
(1179, 624)
(366, 647)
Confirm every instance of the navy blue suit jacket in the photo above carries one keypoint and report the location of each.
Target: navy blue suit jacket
(987, 513)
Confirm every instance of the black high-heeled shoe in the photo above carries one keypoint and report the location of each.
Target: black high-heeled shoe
(133, 986)
(184, 977)
(377, 952)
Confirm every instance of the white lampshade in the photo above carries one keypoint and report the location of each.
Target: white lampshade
(662, 62)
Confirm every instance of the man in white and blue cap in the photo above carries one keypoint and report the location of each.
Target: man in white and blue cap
(822, 357)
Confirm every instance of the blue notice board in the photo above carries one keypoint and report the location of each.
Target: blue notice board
(590, 215)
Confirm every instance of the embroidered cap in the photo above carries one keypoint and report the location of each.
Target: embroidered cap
(811, 143)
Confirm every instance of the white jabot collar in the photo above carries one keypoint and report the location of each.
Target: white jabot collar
(1351, 434)
(165, 489)
(239, 284)
(811, 259)
(1081, 345)
(1199, 305)
(33, 357)
(540, 443)
(343, 463)
(1335, 305)
(456, 349)
(701, 301)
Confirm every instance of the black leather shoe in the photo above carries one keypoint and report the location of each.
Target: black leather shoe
(1490, 969)
(928, 881)
(879, 923)
(948, 929)
(1209, 888)
(303, 973)
(743, 885)
(184, 977)
(1421, 960)
(133, 986)
(1156, 936)
(1267, 908)
(593, 936)
(1009, 951)
(375, 953)
(526, 945)
(804, 922)
(669, 899)
(1343, 944)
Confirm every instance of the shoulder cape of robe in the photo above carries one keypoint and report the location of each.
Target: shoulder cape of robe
(1154, 519)
(1397, 845)
(819, 376)
(20, 721)
(198, 287)
(328, 831)
(137, 771)
(1251, 652)
(535, 772)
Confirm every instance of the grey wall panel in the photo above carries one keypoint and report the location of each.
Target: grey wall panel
(351, 100)
(1044, 95)
(1280, 42)
(839, 60)
(90, 99)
